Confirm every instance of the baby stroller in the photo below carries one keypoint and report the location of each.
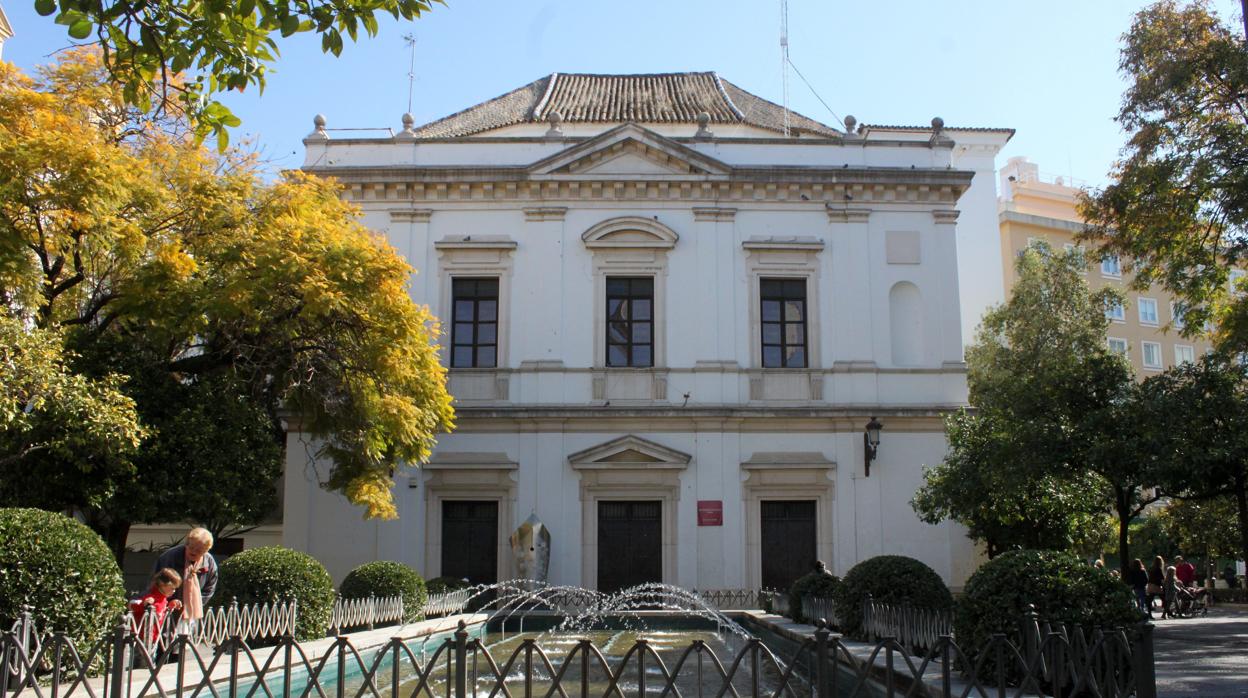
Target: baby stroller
(1186, 602)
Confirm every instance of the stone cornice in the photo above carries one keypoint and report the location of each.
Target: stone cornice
(943, 216)
(712, 213)
(545, 213)
(411, 215)
(842, 214)
(832, 188)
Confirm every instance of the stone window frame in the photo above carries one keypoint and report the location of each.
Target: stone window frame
(462, 256)
(604, 477)
(630, 246)
(784, 258)
(787, 476)
(468, 476)
(1161, 360)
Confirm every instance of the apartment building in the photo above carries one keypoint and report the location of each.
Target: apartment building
(1033, 208)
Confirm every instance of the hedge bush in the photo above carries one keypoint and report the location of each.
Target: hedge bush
(63, 570)
(441, 585)
(262, 575)
(890, 579)
(384, 578)
(1062, 588)
(818, 582)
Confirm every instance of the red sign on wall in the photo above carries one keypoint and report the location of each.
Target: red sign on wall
(710, 512)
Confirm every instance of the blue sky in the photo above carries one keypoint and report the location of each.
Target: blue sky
(1047, 69)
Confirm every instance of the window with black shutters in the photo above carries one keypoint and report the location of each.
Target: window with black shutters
(630, 321)
(474, 329)
(783, 315)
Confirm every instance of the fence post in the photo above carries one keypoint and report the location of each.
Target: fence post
(461, 655)
(866, 618)
(1145, 671)
(117, 677)
(821, 653)
(372, 610)
(19, 652)
(1031, 640)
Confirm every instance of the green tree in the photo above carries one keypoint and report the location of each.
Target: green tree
(182, 54)
(1177, 205)
(1059, 402)
(1200, 417)
(162, 260)
(1206, 526)
(1003, 506)
(48, 413)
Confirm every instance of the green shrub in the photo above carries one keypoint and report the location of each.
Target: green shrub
(1062, 588)
(63, 571)
(441, 585)
(262, 575)
(890, 579)
(818, 582)
(384, 578)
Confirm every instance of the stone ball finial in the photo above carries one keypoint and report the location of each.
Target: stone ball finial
(408, 131)
(408, 120)
(556, 124)
(938, 124)
(704, 125)
(851, 122)
(318, 128)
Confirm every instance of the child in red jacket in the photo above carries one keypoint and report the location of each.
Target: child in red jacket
(164, 583)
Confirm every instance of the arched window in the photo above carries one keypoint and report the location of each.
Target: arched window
(906, 323)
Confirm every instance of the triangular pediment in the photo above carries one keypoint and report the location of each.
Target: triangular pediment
(629, 452)
(6, 29)
(630, 150)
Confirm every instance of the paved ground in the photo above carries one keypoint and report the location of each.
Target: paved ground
(1206, 657)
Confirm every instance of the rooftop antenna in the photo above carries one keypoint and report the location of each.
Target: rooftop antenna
(410, 39)
(784, 61)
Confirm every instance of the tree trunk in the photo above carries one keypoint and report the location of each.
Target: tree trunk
(1241, 505)
(1122, 505)
(115, 533)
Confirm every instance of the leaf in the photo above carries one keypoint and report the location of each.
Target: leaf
(80, 29)
(290, 24)
(45, 7)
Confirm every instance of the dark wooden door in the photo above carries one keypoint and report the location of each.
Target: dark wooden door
(788, 541)
(470, 541)
(630, 544)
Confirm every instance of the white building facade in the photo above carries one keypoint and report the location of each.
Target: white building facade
(667, 323)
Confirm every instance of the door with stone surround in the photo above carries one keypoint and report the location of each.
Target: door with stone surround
(630, 543)
(470, 540)
(787, 541)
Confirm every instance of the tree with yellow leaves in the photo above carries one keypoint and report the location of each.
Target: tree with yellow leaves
(176, 266)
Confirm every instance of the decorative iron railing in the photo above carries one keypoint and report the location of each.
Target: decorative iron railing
(820, 607)
(366, 612)
(918, 629)
(731, 599)
(1111, 664)
(447, 603)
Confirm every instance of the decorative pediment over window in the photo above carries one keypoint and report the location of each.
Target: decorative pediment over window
(630, 232)
(630, 150)
(629, 452)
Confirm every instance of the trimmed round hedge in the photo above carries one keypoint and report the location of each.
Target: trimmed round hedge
(890, 579)
(819, 582)
(385, 578)
(1061, 586)
(261, 575)
(441, 585)
(63, 570)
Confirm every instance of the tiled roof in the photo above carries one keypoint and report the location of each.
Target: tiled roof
(658, 98)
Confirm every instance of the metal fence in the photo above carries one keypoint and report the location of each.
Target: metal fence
(734, 599)
(447, 603)
(820, 607)
(918, 629)
(366, 612)
(1116, 664)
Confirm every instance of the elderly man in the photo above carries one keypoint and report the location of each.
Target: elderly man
(199, 574)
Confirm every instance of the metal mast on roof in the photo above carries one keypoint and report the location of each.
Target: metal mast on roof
(784, 61)
(411, 70)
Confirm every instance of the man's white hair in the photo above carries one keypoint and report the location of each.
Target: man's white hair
(201, 535)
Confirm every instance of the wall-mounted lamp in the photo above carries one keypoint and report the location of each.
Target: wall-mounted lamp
(871, 442)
